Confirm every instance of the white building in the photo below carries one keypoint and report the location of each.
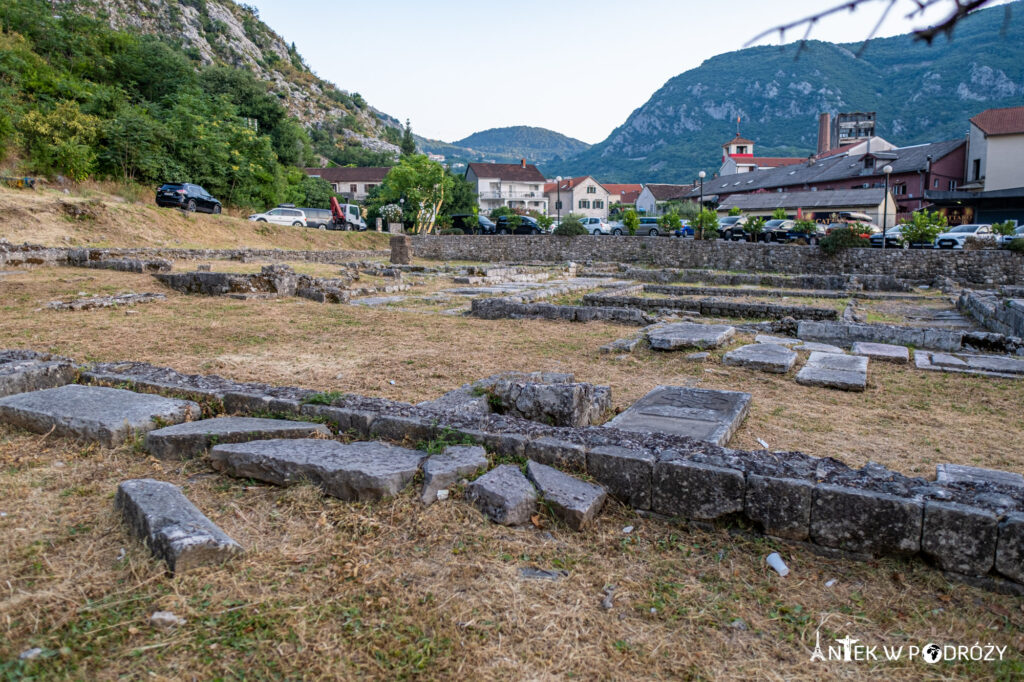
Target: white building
(652, 199)
(515, 185)
(995, 148)
(351, 183)
(583, 196)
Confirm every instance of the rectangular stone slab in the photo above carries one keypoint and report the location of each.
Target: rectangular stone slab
(109, 416)
(866, 522)
(961, 473)
(692, 490)
(175, 530)
(504, 495)
(765, 357)
(442, 470)
(994, 363)
(689, 335)
(780, 506)
(20, 372)
(191, 439)
(699, 413)
(364, 471)
(573, 501)
(831, 370)
(886, 352)
(626, 473)
(959, 538)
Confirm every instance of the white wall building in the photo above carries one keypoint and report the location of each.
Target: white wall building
(583, 196)
(515, 185)
(995, 149)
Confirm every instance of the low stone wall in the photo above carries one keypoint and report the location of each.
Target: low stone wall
(985, 266)
(841, 283)
(974, 531)
(712, 307)
(993, 312)
(15, 255)
(507, 308)
(844, 334)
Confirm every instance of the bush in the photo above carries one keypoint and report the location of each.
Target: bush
(705, 225)
(841, 239)
(735, 211)
(1016, 245)
(804, 226)
(779, 214)
(754, 227)
(571, 226)
(631, 221)
(670, 222)
(923, 228)
(1003, 229)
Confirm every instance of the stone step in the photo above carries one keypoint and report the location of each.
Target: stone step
(364, 471)
(443, 470)
(689, 335)
(765, 357)
(885, 352)
(175, 530)
(23, 371)
(831, 370)
(698, 413)
(109, 416)
(191, 439)
(504, 495)
(573, 501)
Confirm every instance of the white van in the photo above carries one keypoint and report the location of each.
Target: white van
(281, 216)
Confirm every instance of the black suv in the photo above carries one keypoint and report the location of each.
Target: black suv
(186, 196)
(471, 224)
(527, 225)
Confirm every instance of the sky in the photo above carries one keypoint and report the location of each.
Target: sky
(454, 67)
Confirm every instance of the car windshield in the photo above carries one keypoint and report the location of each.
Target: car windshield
(969, 229)
(486, 222)
(171, 186)
(775, 223)
(730, 220)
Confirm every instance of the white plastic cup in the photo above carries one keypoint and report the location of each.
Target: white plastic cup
(776, 562)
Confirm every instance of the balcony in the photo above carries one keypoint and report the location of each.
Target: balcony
(506, 194)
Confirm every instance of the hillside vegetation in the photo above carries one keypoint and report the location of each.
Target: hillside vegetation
(922, 94)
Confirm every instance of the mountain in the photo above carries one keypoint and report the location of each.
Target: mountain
(507, 145)
(922, 94)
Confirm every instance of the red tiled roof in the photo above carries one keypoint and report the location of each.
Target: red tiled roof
(738, 140)
(769, 161)
(629, 197)
(512, 172)
(343, 174)
(1007, 121)
(620, 188)
(570, 183)
(669, 192)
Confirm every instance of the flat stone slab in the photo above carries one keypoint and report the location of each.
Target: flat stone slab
(765, 357)
(573, 501)
(698, 413)
(363, 472)
(443, 470)
(960, 473)
(945, 360)
(689, 335)
(504, 495)
(980, 365)
(885, 352)
(191, 439)
(175, 530)
(812, 347)
(109, 416)
(994, 363)
(831, 370)
(777, 340)
(374, 301)
(25, 371)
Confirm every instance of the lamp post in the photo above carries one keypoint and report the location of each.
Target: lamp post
(558, 204)
(885, 205)
(702, 175)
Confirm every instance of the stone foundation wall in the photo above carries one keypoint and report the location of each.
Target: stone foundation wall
(985, 266)
(993, 312)
(972, 531)
(712, 307)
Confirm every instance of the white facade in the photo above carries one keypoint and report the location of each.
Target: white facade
(646, 204)
(493, 191)
(582, 196)
(994, 161)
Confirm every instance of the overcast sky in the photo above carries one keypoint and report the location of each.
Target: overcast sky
(577, 67)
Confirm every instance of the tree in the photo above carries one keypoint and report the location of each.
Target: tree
(779, 214)
(570, 227)
(631, 221)
(754, 227)
(705, 225)
(1003, 229)
(670, 222)
(422, 184)
(461, 198)
(735, 211)
(923, 228)
(408, 145)
(61, 140)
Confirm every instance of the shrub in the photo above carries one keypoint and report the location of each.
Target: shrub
(670, 222)
(735, 211)
(1016, 245)
(923, 228)
(754, 227)
(1003, 229)
(631, 221)
(705, 224)
(841, 239)
(570, 226)
(779, 214)
(804, 226)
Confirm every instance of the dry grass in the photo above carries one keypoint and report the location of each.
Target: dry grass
(329, 589)
(38, 217)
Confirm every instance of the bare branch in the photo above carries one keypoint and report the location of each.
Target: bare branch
(947, 26)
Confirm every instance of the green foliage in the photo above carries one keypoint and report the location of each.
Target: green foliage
(705, 224)
(325, 398)
(923, 227)
(1003, 229)
(804, 226)
(841, 239)
(61, 139)
(631, 220)
(462, 196)
(754, 226)
(422, 184)
(446, 438)
(1016, 245)
(688, 210)
(735, 211)
(779, 214)
(408, 144)
(670, 222)
(570, 226)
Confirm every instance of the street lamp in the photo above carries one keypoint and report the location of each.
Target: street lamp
(558, 204)
(702, 175)
(885, 204)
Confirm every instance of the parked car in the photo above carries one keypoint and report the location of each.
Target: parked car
(527, 225)
(596, 226)
(186, 196)
(649, 227)
(685, 231)
(1004, 240)
(777, 229)
(816, 234)
(318, 217)
(731, 227)
(955, 238)
(282, 215)
(473, 224)
(893, 239)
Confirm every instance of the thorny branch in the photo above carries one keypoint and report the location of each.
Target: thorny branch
(960, 9)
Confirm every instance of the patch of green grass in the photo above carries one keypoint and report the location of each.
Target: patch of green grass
(446, 438)
(325, 398)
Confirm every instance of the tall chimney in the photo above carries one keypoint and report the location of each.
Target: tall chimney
(522, 162)
(824, 132)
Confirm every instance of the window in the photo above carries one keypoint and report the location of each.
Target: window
(353, 188)
(899, 190)
(935, 183)
(584, 203)
(598, 203)
(591, 190)
(869, 163)
(976, 167)
(741, 149)
(952, 185)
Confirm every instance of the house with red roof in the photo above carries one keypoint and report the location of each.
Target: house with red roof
(515, 185)
(582, 195)
(738, 157)
(622, 193)
(353, 184)
(995, 147)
